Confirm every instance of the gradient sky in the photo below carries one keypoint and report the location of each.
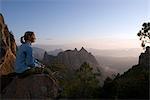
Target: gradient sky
(100, 24)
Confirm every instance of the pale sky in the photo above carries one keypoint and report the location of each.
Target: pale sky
(100, 24)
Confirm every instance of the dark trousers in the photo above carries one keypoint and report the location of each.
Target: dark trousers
(32, 71)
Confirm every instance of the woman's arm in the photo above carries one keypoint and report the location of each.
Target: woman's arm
(38, 64)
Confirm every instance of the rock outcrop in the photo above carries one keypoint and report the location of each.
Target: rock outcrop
(144, 59)
(7, 49)
(38, 86)
(72, 59)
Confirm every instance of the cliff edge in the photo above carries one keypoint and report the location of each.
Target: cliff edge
(7, 49)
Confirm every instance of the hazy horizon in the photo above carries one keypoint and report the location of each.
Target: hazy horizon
(72, 47)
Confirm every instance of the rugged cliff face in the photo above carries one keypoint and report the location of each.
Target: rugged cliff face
(7, 49)
(144, 59)
(72, 59)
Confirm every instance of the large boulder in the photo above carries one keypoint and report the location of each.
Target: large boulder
(37, 86)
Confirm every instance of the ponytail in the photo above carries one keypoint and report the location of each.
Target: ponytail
(22, 40)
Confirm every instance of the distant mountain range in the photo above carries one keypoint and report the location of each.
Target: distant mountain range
(127, 52)
(55, 52)
(38, 53)
(113, 61)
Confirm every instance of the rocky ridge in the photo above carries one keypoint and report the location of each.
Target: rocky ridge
(72, 59)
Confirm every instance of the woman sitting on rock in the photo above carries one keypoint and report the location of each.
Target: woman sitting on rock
(25, 62)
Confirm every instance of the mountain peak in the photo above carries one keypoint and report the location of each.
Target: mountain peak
(75, 49)
(82, 50)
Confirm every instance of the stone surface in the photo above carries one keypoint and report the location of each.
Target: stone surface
(144, 58)
(38, 86)
(7, 49)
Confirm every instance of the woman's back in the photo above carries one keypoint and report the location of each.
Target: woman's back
(24, 58)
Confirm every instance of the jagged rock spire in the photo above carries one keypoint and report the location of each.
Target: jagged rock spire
(75, 49)
(144, 58)
(83, 50)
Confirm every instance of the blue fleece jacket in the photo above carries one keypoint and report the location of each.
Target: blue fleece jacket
(24, 58)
